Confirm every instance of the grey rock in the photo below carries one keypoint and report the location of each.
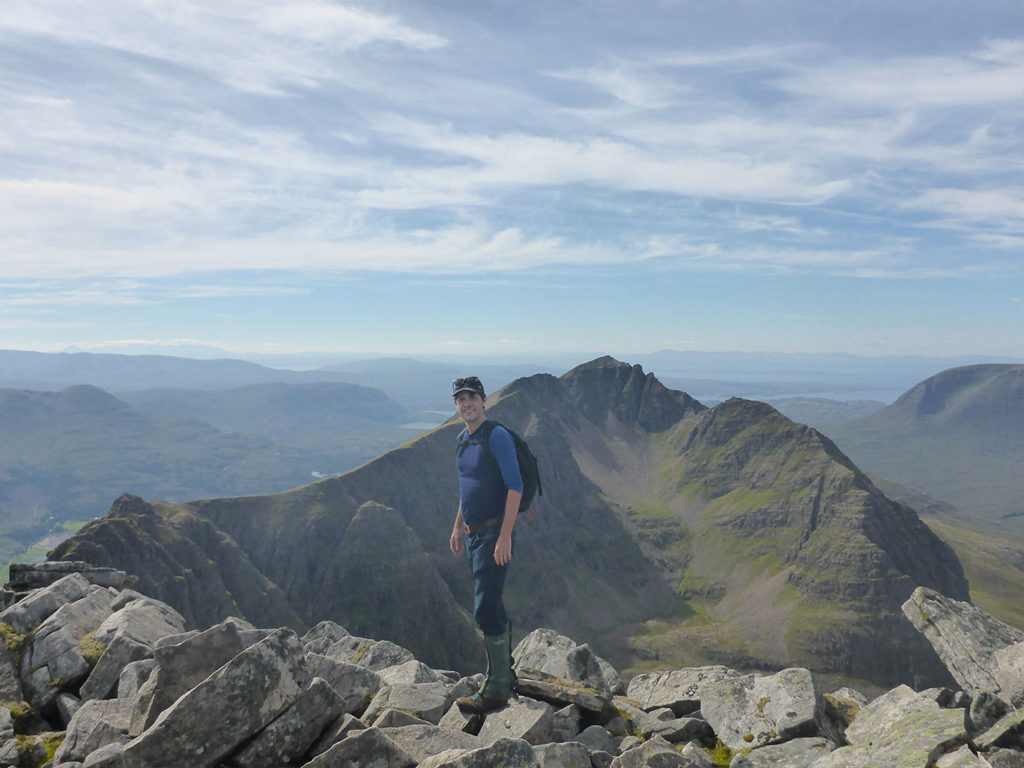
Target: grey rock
(984, 711)
(67, 705)
(369, 747)
(798, 753)
(289, 735)
(506, 753)
(6, 724)
(323, 636)
(383, 654)
(132, 678)
(125, 596)
(199, 730)
(598, 739)
(567, 722)
(428, 701)
(982, 653)
(10, 681)
(679, 690)
(349, 649)
(599, 759)
(656, 753)
(753, 710)
(182, 666)
(357, 685)
(1008, 731)
(423, 741)
(900, 729)
(109, 756)
(526, 719)
(55, 660)
(144, 620)
(32, 576)
(335, 732)
(545, 653)
(103, 678)
(411, 671)
(571, 754)
(457, 720)
(396, 718)
(1005, 758)
(696, 756)
(562, 694)
(961, 758)
(29, 613)
(95, 724)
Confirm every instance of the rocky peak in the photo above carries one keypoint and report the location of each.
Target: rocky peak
(606, 385)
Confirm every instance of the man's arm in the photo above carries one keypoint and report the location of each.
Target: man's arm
(503, 547)
(458, 532)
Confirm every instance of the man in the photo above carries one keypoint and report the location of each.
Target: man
(490, 488)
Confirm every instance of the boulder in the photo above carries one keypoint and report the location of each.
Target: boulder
(62, 652)
(355, 684)
(571, 754)
(369, 747)
(213, 718)
(755, 710)
(656, 752)
(183, 665)
(679, 690)
(289, 735)
(425, 740)
(526, 719)
(95, 724)
(798, 753)
(428, 701)
(982, 653)
(28, 614)
(545, 653)
(507, 753)
(323, 636)
(900, 729)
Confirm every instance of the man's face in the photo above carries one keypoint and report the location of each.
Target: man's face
(470, 407)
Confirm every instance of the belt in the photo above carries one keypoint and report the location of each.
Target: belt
(484, 524)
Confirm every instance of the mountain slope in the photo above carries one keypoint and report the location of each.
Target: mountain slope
(957, 436)
(666, 528)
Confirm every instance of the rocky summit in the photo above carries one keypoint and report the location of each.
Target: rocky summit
(668, 533)
(94, 674)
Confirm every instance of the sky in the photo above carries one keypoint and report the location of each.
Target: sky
(513, 177)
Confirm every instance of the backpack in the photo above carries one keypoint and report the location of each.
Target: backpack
(528, 468)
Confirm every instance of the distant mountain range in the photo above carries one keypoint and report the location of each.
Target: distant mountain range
(64, 455)
(957, 436)
(669, 533)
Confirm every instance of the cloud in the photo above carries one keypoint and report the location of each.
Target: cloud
(999, 207)
(253, 45)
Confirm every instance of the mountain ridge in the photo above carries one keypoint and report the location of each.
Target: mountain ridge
(656, 508)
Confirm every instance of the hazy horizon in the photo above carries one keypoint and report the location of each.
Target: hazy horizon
(519, 179)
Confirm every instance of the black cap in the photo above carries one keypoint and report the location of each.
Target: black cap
(467, 384)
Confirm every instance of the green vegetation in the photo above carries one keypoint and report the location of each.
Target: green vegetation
(13, 640)
(91, 648)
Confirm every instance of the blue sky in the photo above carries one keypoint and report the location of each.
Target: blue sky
(499, 177)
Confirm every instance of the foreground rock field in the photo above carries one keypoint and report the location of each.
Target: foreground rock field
(96, 675)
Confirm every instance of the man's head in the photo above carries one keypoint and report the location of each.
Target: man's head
(470, 400)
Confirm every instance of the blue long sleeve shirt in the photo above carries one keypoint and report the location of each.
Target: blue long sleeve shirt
(484, 483)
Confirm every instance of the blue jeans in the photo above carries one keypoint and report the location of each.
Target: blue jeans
(488, 581)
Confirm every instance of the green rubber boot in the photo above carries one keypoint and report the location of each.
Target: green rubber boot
(500, 679)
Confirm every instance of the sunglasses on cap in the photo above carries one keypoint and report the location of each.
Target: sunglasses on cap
(471, 383)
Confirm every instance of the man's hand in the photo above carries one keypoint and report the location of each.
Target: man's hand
(455, 542)
(503, 549)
